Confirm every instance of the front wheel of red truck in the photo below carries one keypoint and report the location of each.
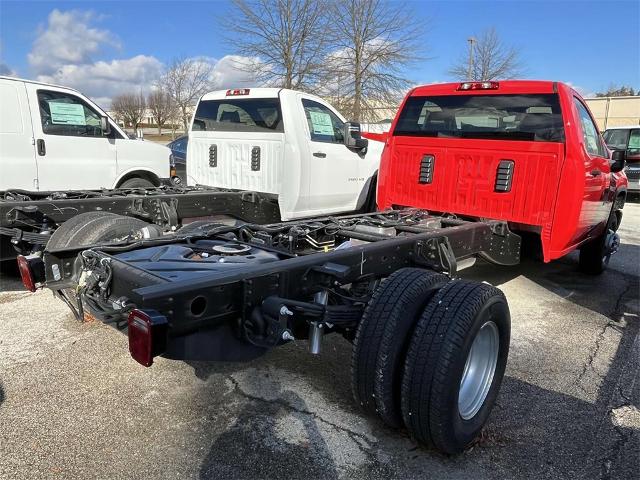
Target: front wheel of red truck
(595, 255)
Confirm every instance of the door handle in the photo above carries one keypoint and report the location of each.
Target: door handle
(595, 173)
(42, 150)
(320, 154)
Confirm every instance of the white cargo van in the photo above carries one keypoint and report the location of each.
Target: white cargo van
(55, 138)
(286, 143)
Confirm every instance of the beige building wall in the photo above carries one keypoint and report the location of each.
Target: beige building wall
(615, 111)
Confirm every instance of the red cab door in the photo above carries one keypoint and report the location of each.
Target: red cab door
(597, 170)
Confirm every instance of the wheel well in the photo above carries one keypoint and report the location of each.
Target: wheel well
(369, 189)
(140, 174)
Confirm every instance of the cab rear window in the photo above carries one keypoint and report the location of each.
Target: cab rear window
(501, 117)
(239, 115)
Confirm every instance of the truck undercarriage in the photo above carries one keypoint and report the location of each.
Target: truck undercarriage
(27, 219)
(214, 291)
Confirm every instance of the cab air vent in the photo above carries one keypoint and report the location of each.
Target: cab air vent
(426, 169)
(213, 156)
(504, 176)
(255, 159)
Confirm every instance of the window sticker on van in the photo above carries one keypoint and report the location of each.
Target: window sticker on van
(67, 113)
(321, 123)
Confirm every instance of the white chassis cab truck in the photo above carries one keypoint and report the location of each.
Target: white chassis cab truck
(288, 144)
(55, 138)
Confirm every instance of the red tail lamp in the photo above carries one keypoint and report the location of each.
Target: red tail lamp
(147, 335)
(31, 271)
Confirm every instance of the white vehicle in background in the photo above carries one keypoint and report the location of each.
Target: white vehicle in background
(55, 138)
(284, 143)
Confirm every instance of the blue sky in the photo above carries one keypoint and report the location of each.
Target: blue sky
(590, 44)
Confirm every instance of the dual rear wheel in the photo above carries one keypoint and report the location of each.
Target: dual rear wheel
(430, 354)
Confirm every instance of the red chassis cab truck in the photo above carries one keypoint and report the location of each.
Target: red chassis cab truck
(527, 152)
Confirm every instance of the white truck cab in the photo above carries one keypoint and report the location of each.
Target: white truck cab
(290, 144)
(55, 138)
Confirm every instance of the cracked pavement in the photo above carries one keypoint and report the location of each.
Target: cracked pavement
(74, 405)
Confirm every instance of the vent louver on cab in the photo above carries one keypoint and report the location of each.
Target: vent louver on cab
(426, 169)
(504, 176)
(255, 159)
(213, 156)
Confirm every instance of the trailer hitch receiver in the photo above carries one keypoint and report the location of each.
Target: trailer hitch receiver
(147, 335)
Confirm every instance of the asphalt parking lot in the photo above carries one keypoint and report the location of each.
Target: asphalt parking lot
(73, 404)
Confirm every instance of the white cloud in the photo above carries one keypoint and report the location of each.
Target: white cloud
(582, 91)
(103, 80)
(67, 39)
(231, 71)
(64, 50)
(6, 70)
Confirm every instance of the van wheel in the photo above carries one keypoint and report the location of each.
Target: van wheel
(455, 364)
(382, 337)
(137, 183)
(595, 255)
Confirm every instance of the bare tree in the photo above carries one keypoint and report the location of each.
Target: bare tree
(488, 59)
(286, 38)
(162, 107)
(186, 80)
(374, 42)
(130, 108)
(618, 91)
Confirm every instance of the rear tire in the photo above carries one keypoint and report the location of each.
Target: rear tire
(91, 228)
(137, 183)
(595, 255)
(448, 389)
(382, 337)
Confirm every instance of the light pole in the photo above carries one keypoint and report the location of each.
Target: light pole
(471, 41)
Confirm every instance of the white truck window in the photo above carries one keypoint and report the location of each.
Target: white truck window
(65, 114)
(239, 115)
(324, 125)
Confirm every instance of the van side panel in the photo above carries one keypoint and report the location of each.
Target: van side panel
(18, 166)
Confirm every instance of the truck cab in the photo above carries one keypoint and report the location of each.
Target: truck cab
(291, 145)
(55, 138)
(528, 152)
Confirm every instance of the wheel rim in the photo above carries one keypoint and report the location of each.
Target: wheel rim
(479, 370)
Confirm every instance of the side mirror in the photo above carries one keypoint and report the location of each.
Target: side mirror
(105, 126)
(618, 160)
(353, 138)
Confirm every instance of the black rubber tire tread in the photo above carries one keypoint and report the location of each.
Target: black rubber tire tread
(591, 254)
(137, 183)
(370, 204)
(382, 337)
(90, 228)
(435, 361)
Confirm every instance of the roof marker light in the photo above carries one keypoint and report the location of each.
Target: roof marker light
(479, 86)
(238, 91)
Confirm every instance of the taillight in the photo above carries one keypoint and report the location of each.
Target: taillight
(147, 335)
(31, 271)
(237, 91)
(479, 86)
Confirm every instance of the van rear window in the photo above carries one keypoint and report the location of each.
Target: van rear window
(239, 115)
(501, 117)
